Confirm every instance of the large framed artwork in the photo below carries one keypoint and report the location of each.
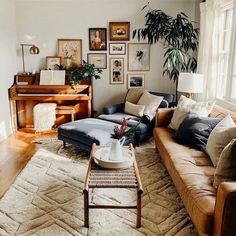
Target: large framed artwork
(135, 81)
(138, 57)
(98, 39)
(98, 59)
(52, 62)
(117, 48)
(70, 51)
(119, 31)
(116, 70)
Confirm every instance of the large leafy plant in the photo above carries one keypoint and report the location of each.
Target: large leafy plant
(179, 37)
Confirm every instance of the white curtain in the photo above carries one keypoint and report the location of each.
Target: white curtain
(210, 27)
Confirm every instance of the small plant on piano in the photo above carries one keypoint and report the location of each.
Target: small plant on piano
(85, 72)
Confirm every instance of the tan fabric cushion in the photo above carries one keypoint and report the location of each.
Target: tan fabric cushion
(226, 167)
(133, 95)
(151, 102)
(134, 109)
(220, 136)
(186, 105)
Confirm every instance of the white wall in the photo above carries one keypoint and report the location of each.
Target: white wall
(8, 63)
(42, 22)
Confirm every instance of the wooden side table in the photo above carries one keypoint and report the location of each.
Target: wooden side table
(97, 177)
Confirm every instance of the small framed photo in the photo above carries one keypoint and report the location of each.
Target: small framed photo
(119, 31)
(138, 57)
(52, 61)
(70, 51)
(98, 39)
(135, 80)
(116, 70)
(117, 48)
(98, 59)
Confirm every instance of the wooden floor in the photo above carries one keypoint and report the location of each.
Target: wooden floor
(15, 152)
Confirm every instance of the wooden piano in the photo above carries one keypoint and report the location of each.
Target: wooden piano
(24, 97)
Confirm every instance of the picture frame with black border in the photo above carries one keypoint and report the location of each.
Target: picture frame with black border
(97, 39)
(98, 59)
(116, 70)
(135, 81)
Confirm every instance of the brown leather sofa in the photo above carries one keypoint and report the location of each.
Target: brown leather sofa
(213, 211)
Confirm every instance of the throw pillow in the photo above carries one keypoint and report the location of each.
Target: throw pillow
(151, 102)
(186, 105)
(194, 130)
(226, 167)
(220, 136)
(134, 109)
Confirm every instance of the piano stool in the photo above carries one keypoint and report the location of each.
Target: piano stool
(64, 110)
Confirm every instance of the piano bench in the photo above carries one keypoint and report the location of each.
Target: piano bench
(67, 110)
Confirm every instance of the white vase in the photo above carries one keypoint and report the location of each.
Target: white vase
(116, 149)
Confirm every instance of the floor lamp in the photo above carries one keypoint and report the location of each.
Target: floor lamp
(33, 51)
(190, 83)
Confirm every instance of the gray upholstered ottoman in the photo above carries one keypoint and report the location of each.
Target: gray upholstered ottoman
(83, 133)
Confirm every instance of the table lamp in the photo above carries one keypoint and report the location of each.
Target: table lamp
(190, 83)
(33, 51)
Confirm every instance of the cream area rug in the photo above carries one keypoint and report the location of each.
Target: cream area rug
(47, 198)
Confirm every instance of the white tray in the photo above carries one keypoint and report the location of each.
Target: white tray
(101, 158)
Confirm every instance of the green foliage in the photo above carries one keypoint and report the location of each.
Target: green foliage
(179, 37)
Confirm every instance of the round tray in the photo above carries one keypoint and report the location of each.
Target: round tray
(101, 158)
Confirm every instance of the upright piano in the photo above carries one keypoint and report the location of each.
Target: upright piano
(23, 98)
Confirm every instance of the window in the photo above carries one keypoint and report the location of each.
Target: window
(227, 55)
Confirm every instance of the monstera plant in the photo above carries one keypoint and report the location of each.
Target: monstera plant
(178, 36)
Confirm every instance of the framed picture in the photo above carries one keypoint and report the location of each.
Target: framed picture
(135, 80)
(52, 61)
(138, 57)
(119, 31)
(98, 59)
(116, 70)
(97, 39)
(70, 51)
(117, 48)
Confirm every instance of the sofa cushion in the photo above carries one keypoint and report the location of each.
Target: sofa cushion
(226, 167)
(220, 136)
(134, 109)
(186, 105)
(151, 102)
(192, 173)
(194, 131)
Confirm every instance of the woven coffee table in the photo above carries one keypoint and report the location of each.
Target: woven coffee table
(97, 177)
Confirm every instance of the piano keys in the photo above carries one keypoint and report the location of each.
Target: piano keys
(24, 97)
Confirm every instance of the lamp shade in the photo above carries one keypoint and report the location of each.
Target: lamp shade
(34, 50)
(190, 83)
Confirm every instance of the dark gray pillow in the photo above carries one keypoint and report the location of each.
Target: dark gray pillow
(194, 130)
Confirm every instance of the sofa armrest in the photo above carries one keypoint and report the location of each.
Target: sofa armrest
(163, 116)
(225, 210)
(108, 110)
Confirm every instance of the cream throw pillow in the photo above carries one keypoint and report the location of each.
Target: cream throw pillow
(226, 167)
(186, 105)
(134, 109)
(220, 136)
(151, 102)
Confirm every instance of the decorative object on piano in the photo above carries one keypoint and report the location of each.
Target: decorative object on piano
(138, 57)
(85, 72)
(70, 51)
(116, 70)
(97, 39)
(33, 51)
(52, 77)
(52, 62)
(23, 79)
(98, 59)
(119, 31)
(117, 48)
(135, 81)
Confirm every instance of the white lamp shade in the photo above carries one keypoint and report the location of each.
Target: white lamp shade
(190, 83)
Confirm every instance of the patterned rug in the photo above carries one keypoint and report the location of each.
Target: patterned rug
(47, 199)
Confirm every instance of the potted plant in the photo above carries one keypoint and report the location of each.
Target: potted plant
(178, 36)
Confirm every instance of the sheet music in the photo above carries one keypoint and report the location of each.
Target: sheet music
(52, 77)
